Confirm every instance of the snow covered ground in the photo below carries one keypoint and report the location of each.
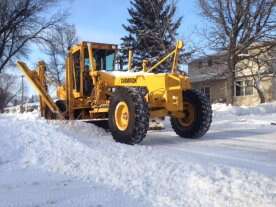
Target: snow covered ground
(58, 163)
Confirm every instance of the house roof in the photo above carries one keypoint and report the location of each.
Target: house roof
(209, 73)
(207, 77)
(214, 55)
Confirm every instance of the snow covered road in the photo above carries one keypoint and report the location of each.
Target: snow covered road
(233, 165)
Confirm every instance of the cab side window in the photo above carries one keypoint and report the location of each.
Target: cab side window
(76, 65)
(105, 60)
(88, 83)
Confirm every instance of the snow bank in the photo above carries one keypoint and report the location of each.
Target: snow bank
(88, 153)
(223, 109)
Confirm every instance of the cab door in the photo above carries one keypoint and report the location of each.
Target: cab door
(76, 57)
(87, 79)
(81, 66)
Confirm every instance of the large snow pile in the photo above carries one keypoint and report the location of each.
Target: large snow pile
(261, 109)
(156, 176)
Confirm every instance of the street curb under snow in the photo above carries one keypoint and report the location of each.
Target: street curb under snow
(148, 174)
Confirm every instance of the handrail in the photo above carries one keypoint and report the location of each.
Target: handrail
(175, 52)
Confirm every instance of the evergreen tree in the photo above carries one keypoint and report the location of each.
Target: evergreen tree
(152, 30)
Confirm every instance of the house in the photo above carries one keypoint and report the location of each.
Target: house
(209, 75)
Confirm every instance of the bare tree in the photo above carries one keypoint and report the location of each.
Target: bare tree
(235, 26)
(56, 45)
(22, 22)
(9, 89)
(258, 66)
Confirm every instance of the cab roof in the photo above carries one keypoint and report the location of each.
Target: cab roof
(95, 45)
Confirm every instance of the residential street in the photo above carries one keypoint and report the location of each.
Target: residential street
(78, 164)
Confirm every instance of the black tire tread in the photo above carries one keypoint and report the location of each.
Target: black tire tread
(141, 117)
(203, 120)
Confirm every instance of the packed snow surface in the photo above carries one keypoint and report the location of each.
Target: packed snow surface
(61, 163)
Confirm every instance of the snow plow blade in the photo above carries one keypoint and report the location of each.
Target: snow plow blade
(37, 80)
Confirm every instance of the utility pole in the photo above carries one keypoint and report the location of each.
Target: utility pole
(22, 94)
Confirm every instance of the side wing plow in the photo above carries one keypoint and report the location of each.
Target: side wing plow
(37, 80)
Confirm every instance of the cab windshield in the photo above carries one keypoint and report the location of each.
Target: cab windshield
(105, 59)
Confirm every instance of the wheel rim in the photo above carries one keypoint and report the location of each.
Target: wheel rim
(190, 115)
(122, 116)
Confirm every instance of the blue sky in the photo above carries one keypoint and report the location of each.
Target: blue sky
(101, 20)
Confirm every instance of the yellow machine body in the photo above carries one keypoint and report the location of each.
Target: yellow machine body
(164, 90)
(91, 78)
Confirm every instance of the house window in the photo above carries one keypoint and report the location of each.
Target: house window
(200, 64)
(244, 88)
(239, 88)
(210, 62)
(206, 91)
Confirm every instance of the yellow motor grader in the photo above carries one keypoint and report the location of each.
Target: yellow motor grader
(123, 101)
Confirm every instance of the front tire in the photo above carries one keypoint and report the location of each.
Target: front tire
(128, 116)
(198, 117)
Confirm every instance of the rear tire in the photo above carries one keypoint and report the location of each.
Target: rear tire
(49, 115)
(134, 130)
(62, 108)
(202, 117)
(61, 105)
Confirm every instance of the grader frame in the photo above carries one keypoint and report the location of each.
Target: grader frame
(164, 90)
(92, 86)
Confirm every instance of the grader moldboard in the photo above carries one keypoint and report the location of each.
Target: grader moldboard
(122, 101)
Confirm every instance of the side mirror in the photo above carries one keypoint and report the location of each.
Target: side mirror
(130, 59)
(119, 63)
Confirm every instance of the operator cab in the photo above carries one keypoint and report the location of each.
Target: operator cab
(104, 59)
